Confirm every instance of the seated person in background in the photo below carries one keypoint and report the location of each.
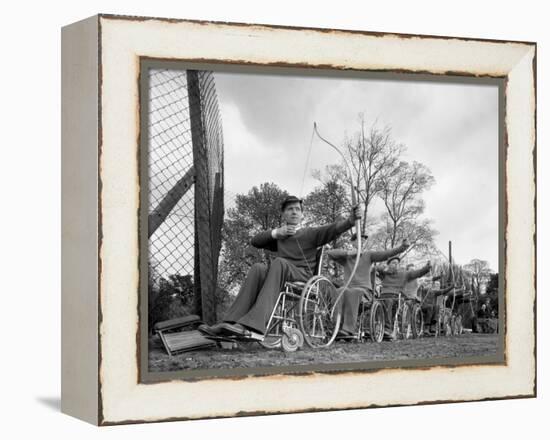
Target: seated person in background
(489, 307)
(360, 285)
(375, 281)
(482, 315)
(460, 298)
(393, 283)
(296, 250)
(411, 287)
(483, 312)
(432, 302)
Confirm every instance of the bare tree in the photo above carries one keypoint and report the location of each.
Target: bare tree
(478, 267)
(401, 193)
(479, 270)
(479, 273)
(418, 232)
(372, 154)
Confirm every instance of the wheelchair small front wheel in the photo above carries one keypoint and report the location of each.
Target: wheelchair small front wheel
(292, 339)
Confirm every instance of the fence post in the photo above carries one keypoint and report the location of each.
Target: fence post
(205, 297)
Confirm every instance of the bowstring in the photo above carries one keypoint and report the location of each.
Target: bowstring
(307, 162)
(301, 194)
(357, 222)
(304, 256)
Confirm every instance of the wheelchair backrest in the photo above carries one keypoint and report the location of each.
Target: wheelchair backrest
(319, 260)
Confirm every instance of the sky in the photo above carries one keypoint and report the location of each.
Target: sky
(452, 128)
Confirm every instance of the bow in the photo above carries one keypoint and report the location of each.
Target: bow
(449, 258)
(357, 221)
(452, 276)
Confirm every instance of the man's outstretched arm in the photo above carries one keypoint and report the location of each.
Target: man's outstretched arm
(443, 291)
(325, 234)
(412, 274)
(384, 255)
(338, 254)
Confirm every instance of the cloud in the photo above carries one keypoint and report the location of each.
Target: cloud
(248, 159)
(452, 128)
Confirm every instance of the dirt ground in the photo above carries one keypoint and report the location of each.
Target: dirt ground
(253, 355)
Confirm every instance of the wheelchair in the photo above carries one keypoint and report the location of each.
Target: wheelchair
(304, 313)
(413, 319)
(406, 320)
(371, 321)
(444, 323)
(449, 320)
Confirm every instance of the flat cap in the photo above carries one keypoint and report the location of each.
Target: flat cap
(290, 199)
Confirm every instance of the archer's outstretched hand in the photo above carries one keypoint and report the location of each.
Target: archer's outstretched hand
(355, 214)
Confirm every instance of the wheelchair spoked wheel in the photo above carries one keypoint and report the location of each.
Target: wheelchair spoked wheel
(417, 321)
(447, 324)
(377, 321)
(453, 325)
(364, 325)
(458, 328)
(439, 325)
(319, 328)
(405, 321)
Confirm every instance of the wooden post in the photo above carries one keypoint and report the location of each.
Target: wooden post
(217, 216)
(205, 299)
(451, 261)
(216, 229)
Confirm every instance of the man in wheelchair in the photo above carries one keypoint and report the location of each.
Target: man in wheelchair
(296, 251)
(360, 286)
(432, 301)
(393, 284)
(410, 291)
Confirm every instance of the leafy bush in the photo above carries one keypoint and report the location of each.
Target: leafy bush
(170, 298)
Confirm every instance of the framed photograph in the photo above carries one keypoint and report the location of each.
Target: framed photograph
(262, 220)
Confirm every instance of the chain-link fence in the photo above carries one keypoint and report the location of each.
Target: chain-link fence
(171, 244)
(185, 183)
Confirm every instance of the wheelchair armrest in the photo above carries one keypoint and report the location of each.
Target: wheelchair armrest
(295, 284)
(389, 296)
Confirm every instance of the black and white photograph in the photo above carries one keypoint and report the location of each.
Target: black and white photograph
(300, 220)
(253, 220)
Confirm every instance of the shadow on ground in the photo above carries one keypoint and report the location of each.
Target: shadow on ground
(53, 403)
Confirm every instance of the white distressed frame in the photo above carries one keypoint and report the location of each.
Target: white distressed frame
(122, 42)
